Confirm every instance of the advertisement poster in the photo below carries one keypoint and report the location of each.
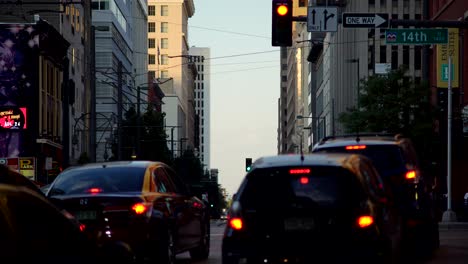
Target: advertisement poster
(18, 53)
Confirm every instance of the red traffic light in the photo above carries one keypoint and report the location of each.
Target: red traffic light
(282, 10)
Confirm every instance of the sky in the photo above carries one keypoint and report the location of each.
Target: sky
(244, 89)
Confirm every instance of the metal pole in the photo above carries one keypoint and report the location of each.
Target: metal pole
(138, 123)
(119, 110)
(449, 137)
(449, 215)
(92, 108)
(172, 142)
(66, 113)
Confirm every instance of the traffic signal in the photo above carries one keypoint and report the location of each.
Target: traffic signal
(248, 164)
(281, 23)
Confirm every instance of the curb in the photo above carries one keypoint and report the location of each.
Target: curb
(453, 226)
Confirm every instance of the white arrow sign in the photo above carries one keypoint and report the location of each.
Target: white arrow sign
(365, 20)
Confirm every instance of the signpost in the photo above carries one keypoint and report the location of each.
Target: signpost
(365, 20)
(416, 36)
(322, 19)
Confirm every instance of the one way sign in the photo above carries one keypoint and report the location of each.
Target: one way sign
(365, 20)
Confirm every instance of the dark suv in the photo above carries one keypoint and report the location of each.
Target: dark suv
(313, 208)
(396, 161)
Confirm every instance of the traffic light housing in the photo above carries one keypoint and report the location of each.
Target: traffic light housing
(248, 164)
(281, 23)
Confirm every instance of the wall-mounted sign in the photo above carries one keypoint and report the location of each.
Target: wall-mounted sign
(13, 118)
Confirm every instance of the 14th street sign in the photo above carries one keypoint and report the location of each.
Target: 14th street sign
(365, 20)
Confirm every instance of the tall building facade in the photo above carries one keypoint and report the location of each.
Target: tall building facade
(340, 59)
(293, 87)
(172, 67)
(114, 63)
(202, 104)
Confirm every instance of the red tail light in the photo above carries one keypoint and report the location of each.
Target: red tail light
(410, 175)
(236, 223)
(355, 147)
(94, 190)
(299, 171)
(140, 208)
(304, 180)
(82, 227)
(365, 221)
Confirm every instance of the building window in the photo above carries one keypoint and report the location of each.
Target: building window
(151, 59)
(151, 75)
(151, 27)
(284, 67)
(371, 2)
(164, 59)
(164, 27)
(164, 43)
(164, 10)
(383, 3)
(151, 10)
(302, 3)
(284, 78)
(406, 55)
(383, 54)
(394, 57)
(164, 74)
(406, 17)
(151, 43)
(417, 57)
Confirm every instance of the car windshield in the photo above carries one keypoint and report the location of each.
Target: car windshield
(387, 159)
(277, 188)
(102, 180)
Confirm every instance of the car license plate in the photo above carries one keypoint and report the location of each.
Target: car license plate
(299, 224)
(85, 215)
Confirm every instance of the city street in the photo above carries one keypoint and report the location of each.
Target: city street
(453, 247)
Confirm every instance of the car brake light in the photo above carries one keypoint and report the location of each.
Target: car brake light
(299, 171)
(140, 208)
(94, 190)
(355, 147)
(365, 221)
(82, 227)
(304, 180)
(410, 175)
(235, 223)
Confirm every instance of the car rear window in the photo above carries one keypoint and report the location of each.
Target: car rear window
(387, 159)
(278, 188)
(103, 180)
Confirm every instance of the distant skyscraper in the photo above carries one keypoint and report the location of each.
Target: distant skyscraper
(202, 102)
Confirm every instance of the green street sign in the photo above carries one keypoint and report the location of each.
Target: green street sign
(416, 36)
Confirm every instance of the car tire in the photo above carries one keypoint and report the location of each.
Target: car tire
(166, 250)
(202, 251)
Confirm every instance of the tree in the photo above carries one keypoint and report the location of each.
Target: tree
(189, 167)
(394, 103)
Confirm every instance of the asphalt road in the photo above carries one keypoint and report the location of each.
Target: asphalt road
(453, 247)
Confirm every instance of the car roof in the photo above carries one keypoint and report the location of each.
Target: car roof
(313, 159)
(112, 164)
(341, 141)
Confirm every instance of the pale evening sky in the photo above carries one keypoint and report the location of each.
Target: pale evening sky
(244, 89)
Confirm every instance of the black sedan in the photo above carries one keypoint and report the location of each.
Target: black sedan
(134, 210)
(312, 209)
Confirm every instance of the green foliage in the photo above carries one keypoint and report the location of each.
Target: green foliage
(189, 167)
(393, 103)
(152, 140)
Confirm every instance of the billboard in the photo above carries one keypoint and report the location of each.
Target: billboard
(19, 45)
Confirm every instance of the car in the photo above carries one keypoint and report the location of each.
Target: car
(138, 209)
(311, 208)
(32, 228)
(396, 160)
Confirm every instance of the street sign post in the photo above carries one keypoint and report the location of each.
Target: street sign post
(365, 20)
(322, 19)
(416, 36)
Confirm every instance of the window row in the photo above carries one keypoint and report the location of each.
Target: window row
(164, 27)
(152, 10)
(164, 43)
(163, 59)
